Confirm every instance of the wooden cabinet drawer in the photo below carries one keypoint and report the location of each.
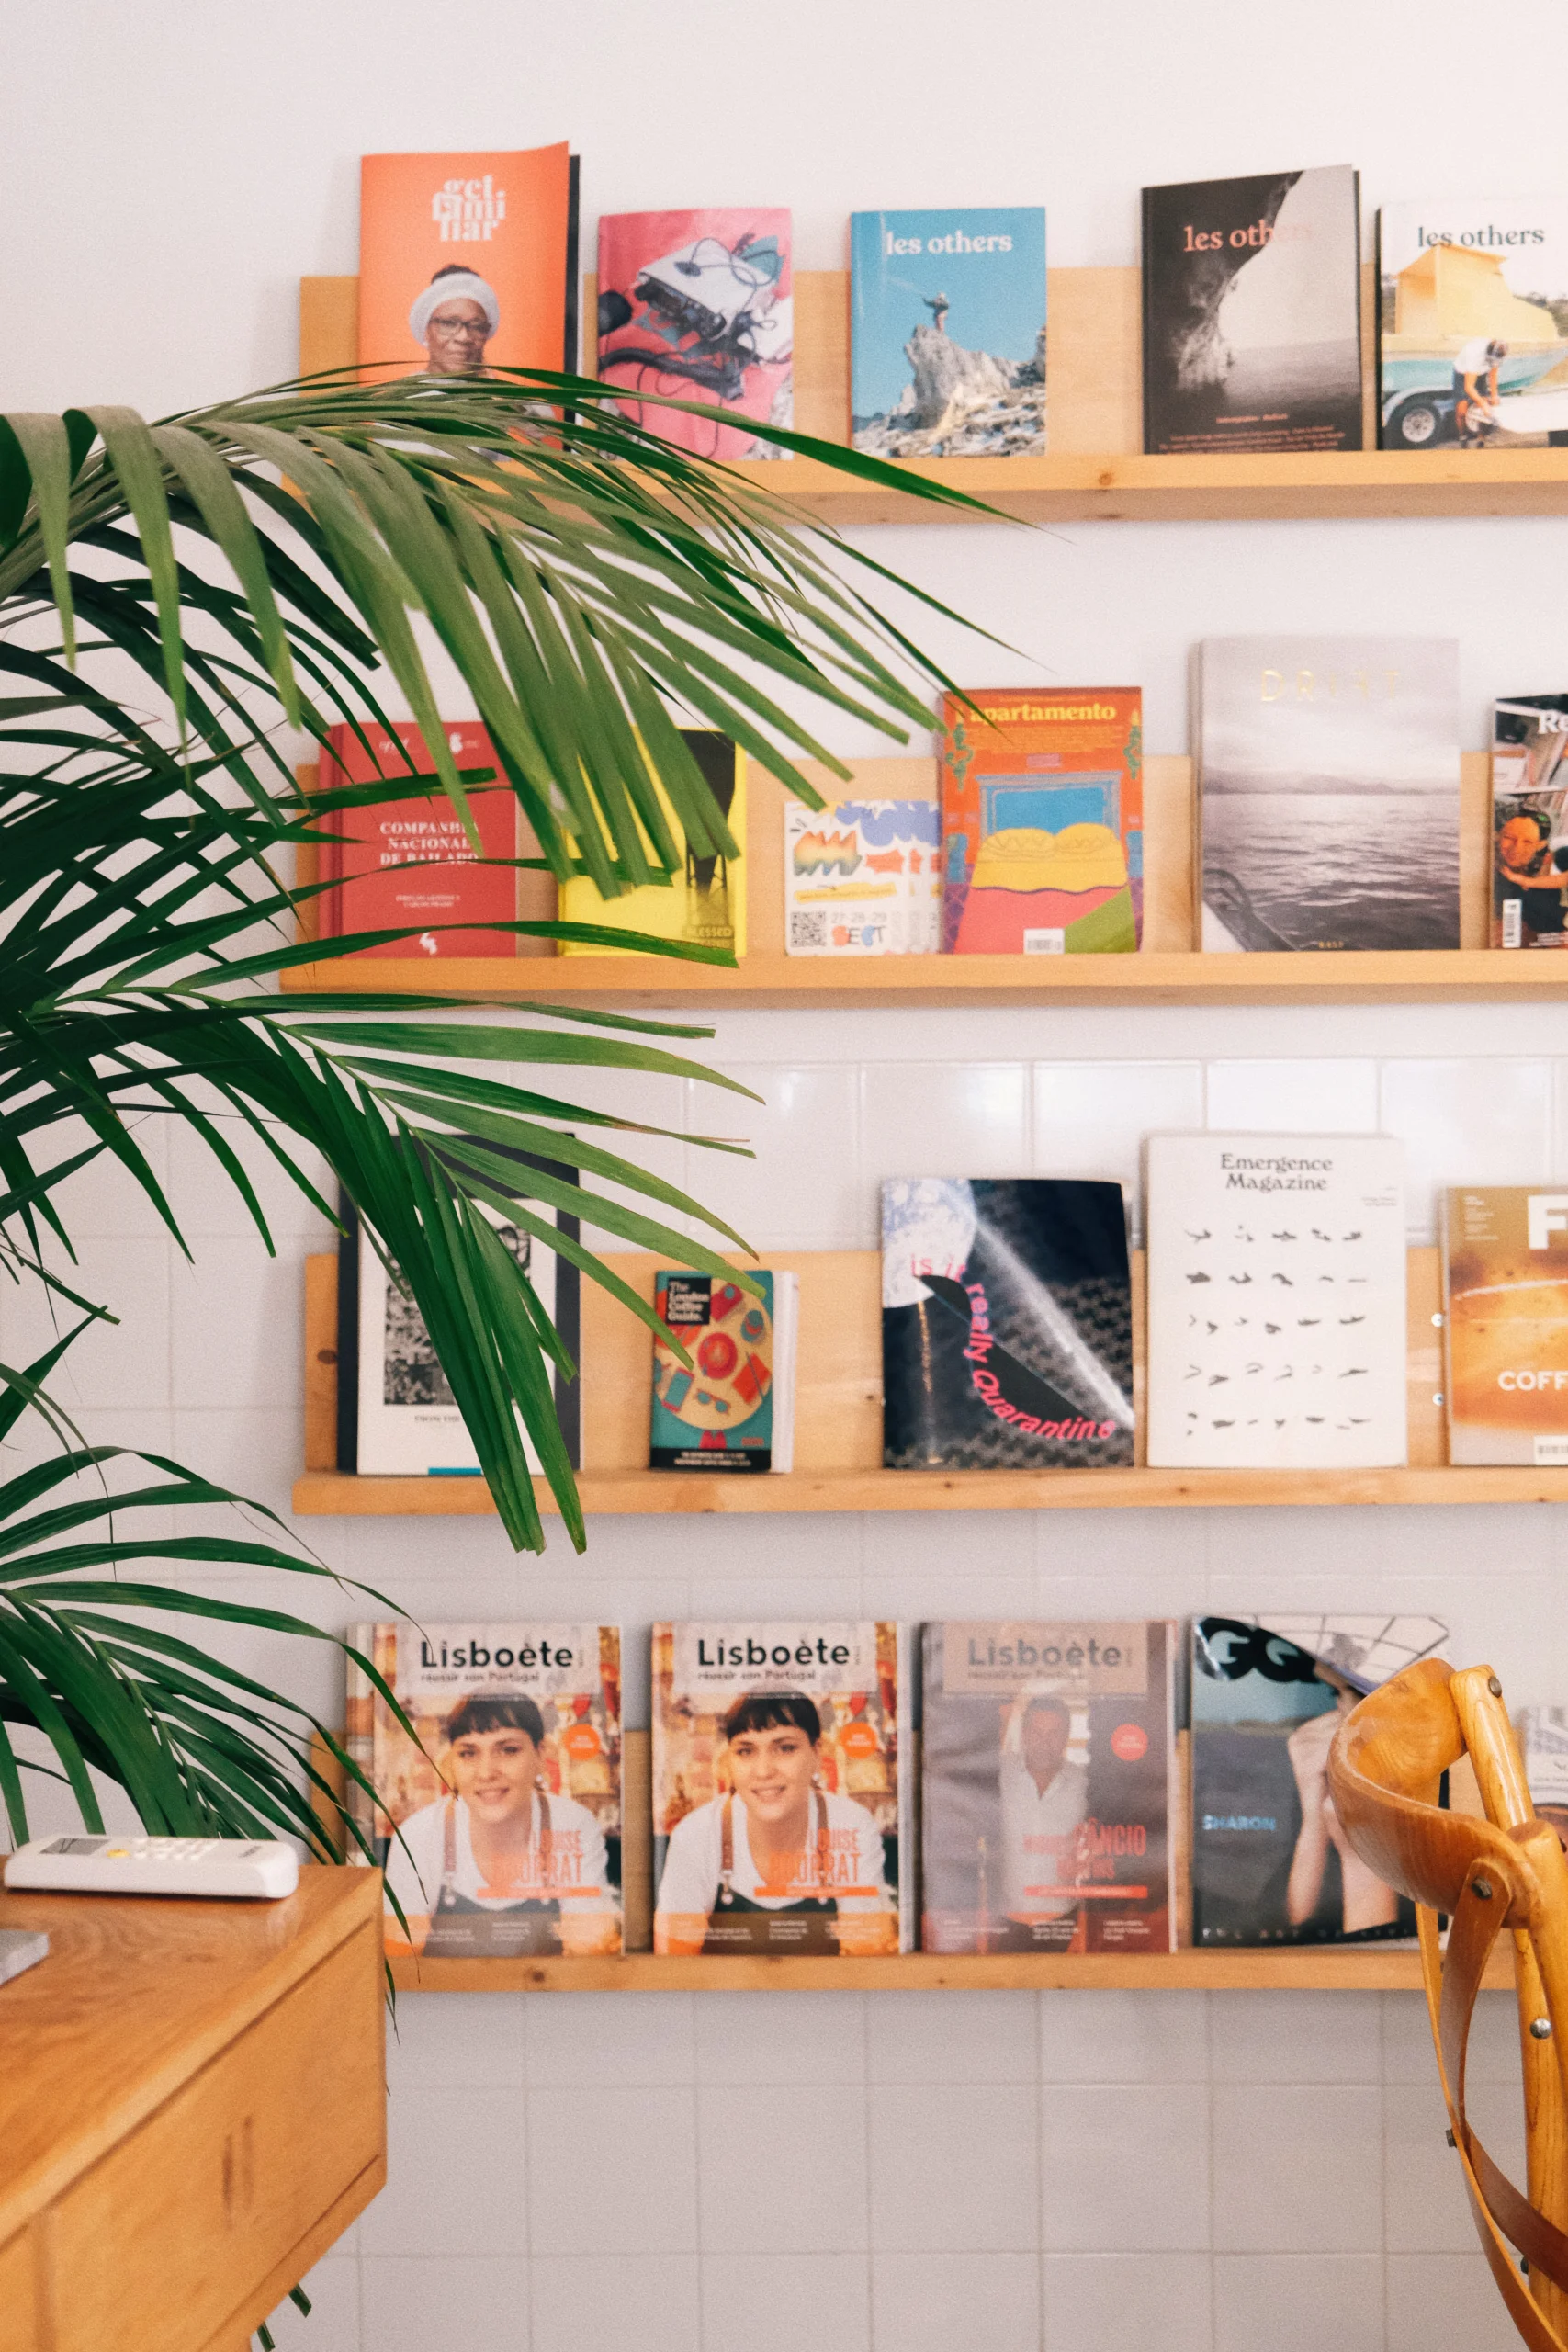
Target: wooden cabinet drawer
(19, 2330)
(167, 2238)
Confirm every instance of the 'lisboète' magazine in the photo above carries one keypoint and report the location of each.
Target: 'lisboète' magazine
(504, 1830)
(699, 306)
(1048, 1788)
(467, 262)
(1530, 821)
(782, 1817)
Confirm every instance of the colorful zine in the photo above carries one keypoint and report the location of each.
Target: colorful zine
(1042, 822)
(1328, 792)
(863, 878)
(1505, 1324)
(782, 1788)
(1270, 1864)
(409, 865)
(1048, 1788)
(947, 334)
(407, 1423)
(499, 1831)
(1276, 1302)
(1530, 821)
(700, 306)
(705, 900)
(1473, 321)
(1252, 313)
(1007, 1324)
(732, 1407)
(467, 262)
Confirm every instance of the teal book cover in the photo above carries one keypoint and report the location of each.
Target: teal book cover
(947, 339)
(715, 1412)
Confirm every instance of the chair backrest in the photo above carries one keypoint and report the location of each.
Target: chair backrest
(1505, 1872)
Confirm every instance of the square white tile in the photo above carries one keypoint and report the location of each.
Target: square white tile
(607, 2302)
(1300, 1098)
(1486, 1121)
(954, 2166)
(1297, 2168)
(640, 2193)
(802, 2192)
(413, 2302)
(1123, 2037)
(1126, 2167)
(803, 1188)
(789, 2039)
(926, 2302)
(1100, 2303)
(455, 2175)
(951, 2037)
(776, 2302)
(1296, 2038)
(1301, 2303)
(594, 2040)
(1443, 2298)
(943, 1119)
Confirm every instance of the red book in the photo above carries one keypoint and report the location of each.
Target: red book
(408, 864)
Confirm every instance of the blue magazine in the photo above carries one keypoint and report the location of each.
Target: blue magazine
(947, 343)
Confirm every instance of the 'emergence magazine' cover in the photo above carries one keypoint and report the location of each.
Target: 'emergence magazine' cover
(782, 1817)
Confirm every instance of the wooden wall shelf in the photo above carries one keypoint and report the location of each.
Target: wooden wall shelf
(1168, 971)
(1094, 469)
(839, 1427)
(1369, 1970)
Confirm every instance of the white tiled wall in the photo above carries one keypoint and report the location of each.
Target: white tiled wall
(894, 2172)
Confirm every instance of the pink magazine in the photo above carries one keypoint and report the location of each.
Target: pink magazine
(700, 306)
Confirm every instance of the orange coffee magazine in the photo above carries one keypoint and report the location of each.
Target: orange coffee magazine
(1506, 1325)
(465, 262)
(409, 865)
(1042, 822)
(782, 1795)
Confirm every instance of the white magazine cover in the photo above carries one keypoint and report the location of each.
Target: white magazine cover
(863, 878)
(1276, 1302)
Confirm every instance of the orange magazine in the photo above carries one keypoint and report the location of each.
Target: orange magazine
(1042, 822)
(1506, 1323)
(463, 262)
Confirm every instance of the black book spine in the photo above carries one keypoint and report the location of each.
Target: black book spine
(348, 1335)
(1145, 262)
(573, 282)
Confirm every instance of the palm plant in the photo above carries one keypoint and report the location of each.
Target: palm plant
(176, 601)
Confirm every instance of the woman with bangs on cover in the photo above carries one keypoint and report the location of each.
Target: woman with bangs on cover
(776, 1863)
(500, 1864)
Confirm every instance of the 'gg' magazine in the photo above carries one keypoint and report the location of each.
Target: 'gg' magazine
(501, 1827)
(783, 1788)
(1047, 1790)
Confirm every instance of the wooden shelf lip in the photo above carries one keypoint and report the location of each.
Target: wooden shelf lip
(1366, 1970)
(332, 1494)
(1068, 487)
(1466, 975)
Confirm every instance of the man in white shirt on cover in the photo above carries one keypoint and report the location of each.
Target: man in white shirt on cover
(1044, 1800)
(1475, 385)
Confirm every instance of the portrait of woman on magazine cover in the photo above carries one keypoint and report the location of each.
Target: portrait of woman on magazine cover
(500, 1864)
(776, 1862)
(455, 317)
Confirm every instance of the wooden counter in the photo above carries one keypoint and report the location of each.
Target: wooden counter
(192, 2109)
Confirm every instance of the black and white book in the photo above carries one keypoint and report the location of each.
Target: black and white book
(1252, 313)
(1276, 1302)
(1327, 806)
(1006, 1323)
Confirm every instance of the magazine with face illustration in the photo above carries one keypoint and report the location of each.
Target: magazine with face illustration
(782, 1787)
(502, 1829)
(1530, 821)
(1048, 1787)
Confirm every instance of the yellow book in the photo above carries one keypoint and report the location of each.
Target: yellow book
(707, 903)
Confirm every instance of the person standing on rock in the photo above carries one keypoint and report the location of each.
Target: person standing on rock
(939, 307)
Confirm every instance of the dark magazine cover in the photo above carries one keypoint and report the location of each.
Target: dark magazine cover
(1007, 1324)
(1270, 1864)
(1048, 1788)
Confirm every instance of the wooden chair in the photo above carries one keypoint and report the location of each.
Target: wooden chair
(1505, 1872)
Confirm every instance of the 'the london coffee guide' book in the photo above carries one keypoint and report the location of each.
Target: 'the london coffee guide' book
(700, 306)
(1276, 1302)
(705, 900)
(732, 1407)
(863, 878)
(408, 864)
(1043, 822)
(1530, 821)
(1270, 1864)
(783, 1788)
(1007, 1326)
(947, 332)
(1328, 792)
(1506, 1323)
(1473, 321)
(468, 262)
(1252, 309)
(397, 1416)
(501, 1833)
(1047, 1790)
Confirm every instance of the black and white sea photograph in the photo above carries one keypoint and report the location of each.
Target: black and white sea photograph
(1330, 791)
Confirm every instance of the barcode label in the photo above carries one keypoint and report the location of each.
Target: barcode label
(1513, 921)
(1044, 943)
(1551, 1453)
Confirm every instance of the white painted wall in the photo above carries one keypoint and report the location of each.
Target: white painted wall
(902, 2172)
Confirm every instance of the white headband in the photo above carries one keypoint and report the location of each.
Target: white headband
(456, 285)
